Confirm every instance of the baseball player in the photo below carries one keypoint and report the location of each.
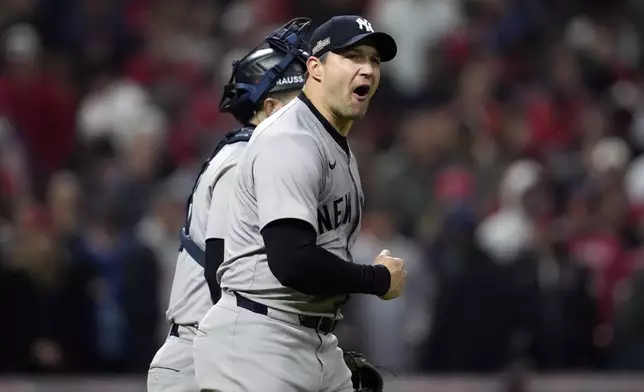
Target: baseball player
(261, 83)
(294, 216)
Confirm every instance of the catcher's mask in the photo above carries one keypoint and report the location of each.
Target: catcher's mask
(277, 64)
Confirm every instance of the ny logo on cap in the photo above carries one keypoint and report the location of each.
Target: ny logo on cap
(364, 24)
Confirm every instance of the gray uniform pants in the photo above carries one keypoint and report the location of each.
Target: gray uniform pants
(172, 369)
(237, 350)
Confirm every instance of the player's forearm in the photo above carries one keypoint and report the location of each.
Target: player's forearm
(214, 258)
(297, 262)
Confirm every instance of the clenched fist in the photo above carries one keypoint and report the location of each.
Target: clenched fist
(397, 271)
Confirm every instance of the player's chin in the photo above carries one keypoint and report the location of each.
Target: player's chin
(358, 111)
(356, 115)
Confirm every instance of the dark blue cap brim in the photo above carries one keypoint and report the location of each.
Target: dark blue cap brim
(382, 42)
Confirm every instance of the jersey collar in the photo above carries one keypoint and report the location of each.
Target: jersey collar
(341, 140)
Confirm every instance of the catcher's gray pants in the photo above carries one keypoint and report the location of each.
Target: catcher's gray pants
(236, 350)
(172, 369)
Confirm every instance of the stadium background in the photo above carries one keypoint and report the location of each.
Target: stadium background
(500, 158)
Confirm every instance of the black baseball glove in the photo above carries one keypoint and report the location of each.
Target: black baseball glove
(365, 376)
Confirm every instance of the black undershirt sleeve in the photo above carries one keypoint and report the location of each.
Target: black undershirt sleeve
(214, 258)
(299, 263)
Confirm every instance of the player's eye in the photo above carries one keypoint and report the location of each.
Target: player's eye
(375, 60)
(352, 56)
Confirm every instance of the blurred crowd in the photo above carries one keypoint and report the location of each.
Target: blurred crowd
(501, 158)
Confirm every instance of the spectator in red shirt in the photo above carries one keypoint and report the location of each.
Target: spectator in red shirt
(41, 108)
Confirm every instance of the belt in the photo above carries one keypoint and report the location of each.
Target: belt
(320, 324)
(174, 328)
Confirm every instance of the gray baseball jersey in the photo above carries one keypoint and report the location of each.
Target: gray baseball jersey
(190, 297)
(293, 167)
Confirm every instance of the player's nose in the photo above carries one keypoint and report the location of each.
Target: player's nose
(367, 70)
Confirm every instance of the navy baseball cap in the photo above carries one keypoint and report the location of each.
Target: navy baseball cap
(341, 32)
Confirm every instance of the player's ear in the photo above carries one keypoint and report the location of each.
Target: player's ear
(271, 105)
(315, 68)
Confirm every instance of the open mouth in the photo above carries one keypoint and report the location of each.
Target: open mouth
(362, 91)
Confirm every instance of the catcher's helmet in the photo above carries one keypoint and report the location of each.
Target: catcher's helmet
(277, 64)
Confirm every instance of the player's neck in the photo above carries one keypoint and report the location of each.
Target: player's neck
(343, 126)
(256, 120)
